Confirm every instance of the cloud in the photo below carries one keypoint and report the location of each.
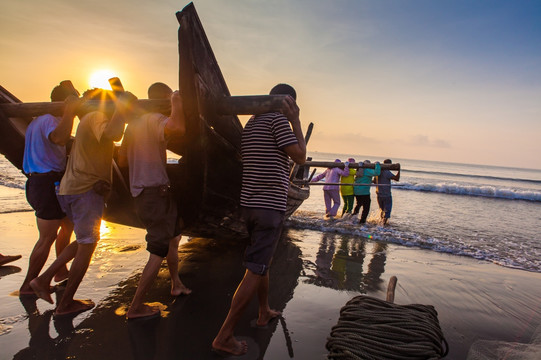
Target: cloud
(425, 141)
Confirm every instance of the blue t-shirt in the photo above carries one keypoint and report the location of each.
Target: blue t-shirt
(385, 179)
(41, 155)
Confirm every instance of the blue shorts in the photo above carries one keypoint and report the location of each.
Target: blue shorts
(40, 194)
(85, 211)
(386, 205)
(264, 227)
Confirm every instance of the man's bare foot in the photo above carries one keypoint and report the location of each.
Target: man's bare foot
(230, 347)
(142, 311)
(74, 307)
(267, 316)
(27, 291)
(61, 275)
(179, 289)
(43, 291)
(6, 259)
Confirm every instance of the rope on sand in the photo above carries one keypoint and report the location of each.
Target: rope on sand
(370, 328)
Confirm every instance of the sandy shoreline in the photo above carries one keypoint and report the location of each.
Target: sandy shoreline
(474, 300)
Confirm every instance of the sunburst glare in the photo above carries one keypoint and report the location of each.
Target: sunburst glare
(100, 79)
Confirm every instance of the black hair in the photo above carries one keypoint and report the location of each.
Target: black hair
(284, 89)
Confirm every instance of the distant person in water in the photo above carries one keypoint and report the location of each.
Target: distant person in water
(347, 190)
(144, 151)
(44, 163)
(331, 191)
(385, 200)
(6, 259)
(82, 195)
(268, 140)
(364, 176)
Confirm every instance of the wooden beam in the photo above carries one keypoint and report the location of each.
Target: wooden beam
(228, 105)
(248, 105)
(332, 164)
(57, 108)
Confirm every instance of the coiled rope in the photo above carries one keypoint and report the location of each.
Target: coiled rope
(370, 328)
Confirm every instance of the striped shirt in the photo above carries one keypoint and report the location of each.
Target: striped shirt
(265, 173)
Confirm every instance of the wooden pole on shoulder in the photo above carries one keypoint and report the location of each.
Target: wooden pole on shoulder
(228, 105)
(332, 164)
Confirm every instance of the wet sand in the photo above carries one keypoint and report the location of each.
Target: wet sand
(313, 275)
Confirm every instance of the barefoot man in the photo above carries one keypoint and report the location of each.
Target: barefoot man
(44, 162)
(267, 141)
(144, 151)
(82, 196)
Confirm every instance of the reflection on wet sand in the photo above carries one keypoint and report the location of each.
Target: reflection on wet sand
(212, 269)
(339, 264)
(41, 344)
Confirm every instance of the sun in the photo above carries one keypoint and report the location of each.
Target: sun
(100, 79)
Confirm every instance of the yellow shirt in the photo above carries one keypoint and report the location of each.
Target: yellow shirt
(90, 159)
(347, 190)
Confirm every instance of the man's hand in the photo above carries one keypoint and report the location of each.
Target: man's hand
(290, 109)
(71, 104)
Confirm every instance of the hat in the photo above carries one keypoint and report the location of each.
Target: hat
(351, 160)
(387, 161)
(366, 162)
(337, 160)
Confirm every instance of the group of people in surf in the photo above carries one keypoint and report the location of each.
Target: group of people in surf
(354, 185)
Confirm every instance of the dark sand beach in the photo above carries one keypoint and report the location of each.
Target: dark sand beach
(314, 274)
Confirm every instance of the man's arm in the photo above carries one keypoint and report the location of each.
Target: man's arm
(61, 134)
(176, 124)
(397, 176)
(124, 106)
(297, 152)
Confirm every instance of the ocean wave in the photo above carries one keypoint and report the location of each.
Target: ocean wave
(488, 177)
(525, 259)
(474, 190)
(12, 182)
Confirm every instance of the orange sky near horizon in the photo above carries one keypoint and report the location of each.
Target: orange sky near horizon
(448, 81)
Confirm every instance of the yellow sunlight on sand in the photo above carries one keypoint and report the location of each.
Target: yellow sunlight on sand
(100, 79)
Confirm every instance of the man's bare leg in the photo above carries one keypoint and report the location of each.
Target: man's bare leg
(62, 240)
(177, 287)
(225, 341)
(265, 312)
(68, 305)
(41, 285)
(138, 308)
(47, 234)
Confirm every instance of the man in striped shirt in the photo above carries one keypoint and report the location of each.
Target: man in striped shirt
(268, 141)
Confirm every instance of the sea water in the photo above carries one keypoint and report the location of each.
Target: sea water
(489, 213)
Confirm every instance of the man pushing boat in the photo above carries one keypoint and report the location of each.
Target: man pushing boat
(268, 141)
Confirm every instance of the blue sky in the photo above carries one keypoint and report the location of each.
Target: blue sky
(456, 81)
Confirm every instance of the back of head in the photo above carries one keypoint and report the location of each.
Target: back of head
(63, 90)
(158, 91)
(284, 89)
(387, 161)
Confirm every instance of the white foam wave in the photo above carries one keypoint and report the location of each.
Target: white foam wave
(372, 231)
(473, 190)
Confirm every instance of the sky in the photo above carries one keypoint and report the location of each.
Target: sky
(443, 80)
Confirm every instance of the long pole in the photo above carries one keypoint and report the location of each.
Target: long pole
(332, 164)
(236, 105)
(349, 184)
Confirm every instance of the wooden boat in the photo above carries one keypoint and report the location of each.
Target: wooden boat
(207, 178)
